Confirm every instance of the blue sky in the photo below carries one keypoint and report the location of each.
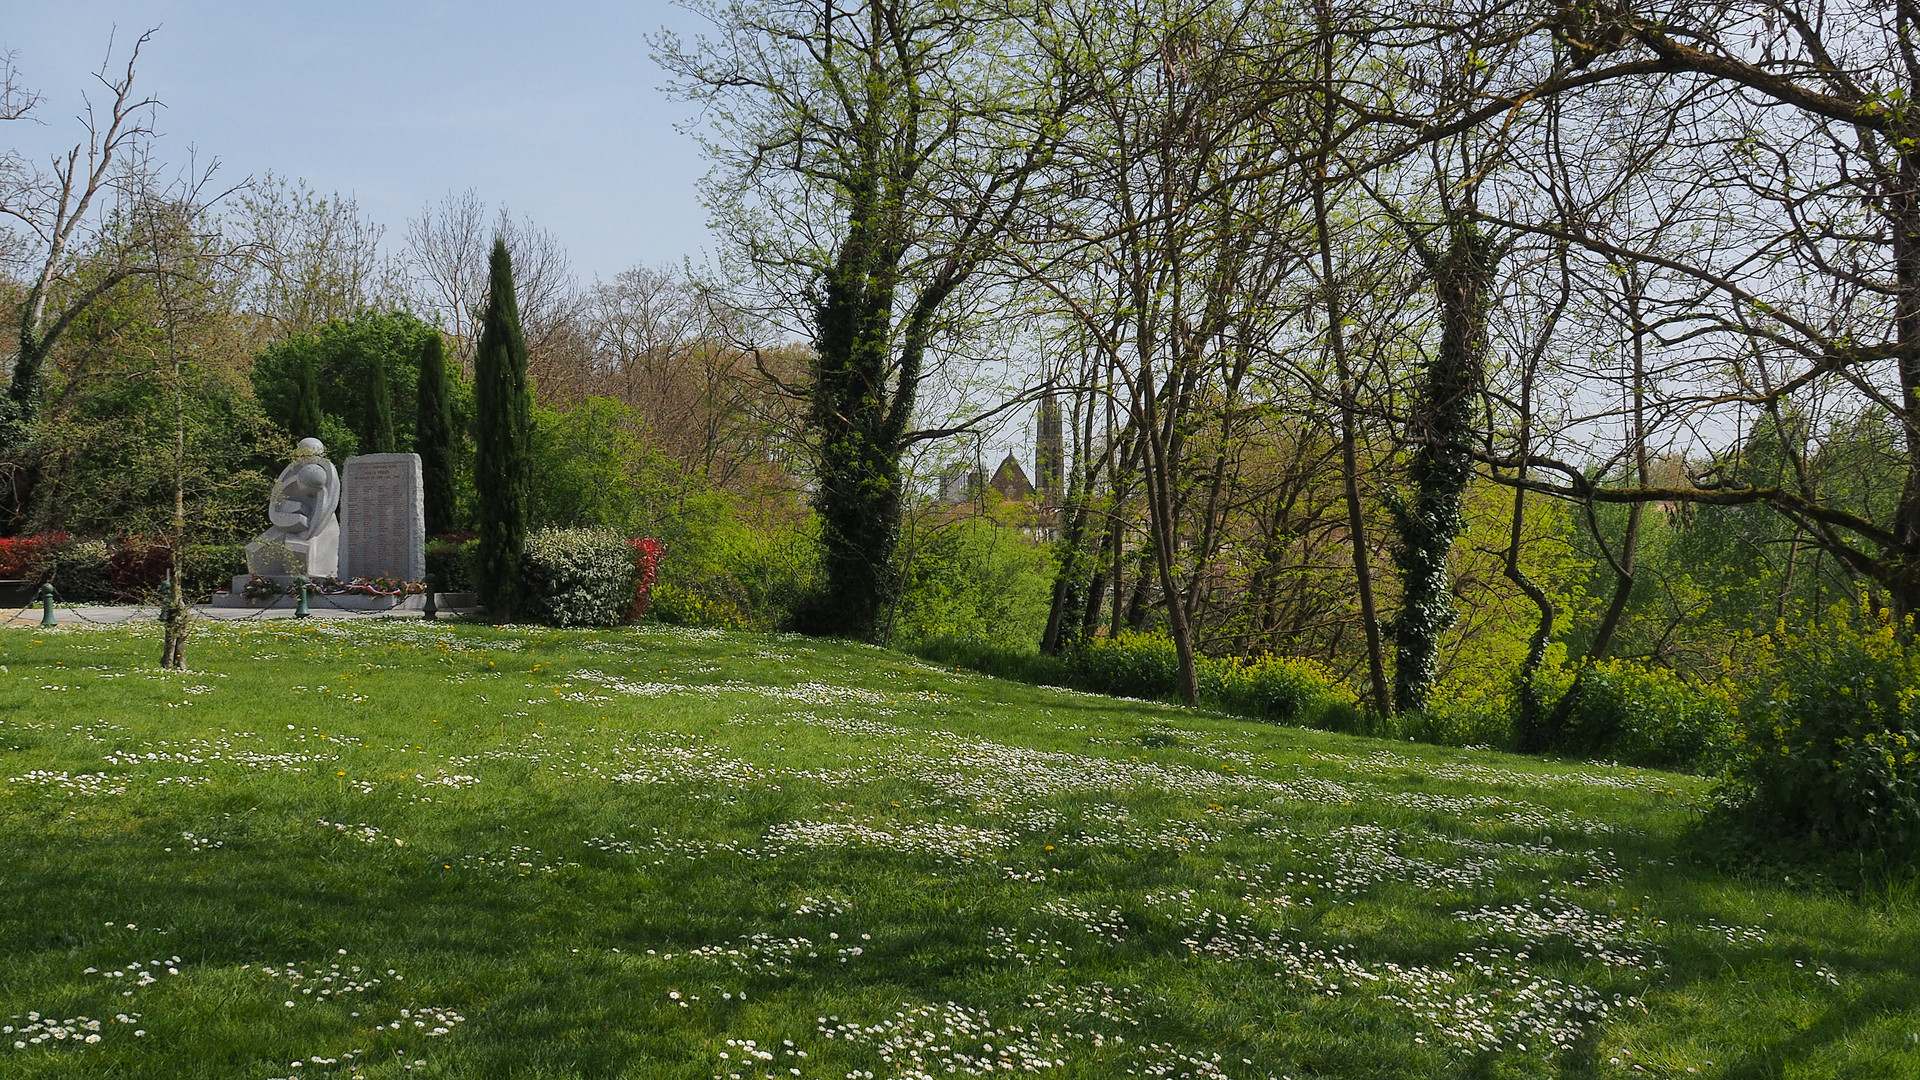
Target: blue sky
(552, 109)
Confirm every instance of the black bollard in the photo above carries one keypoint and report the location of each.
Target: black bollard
(431, 613)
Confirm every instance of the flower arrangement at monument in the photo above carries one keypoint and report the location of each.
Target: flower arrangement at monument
(263, 587)
(380, 586)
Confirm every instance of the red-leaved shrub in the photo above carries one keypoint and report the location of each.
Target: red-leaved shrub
(646, 571)
(21, 557)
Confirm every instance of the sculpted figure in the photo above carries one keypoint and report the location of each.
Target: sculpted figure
(305, 537)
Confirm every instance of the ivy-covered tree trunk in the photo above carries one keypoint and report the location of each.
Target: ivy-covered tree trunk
(856, 443)
(433, 436)
(1440, 430)
(906, 138)
(502, 426)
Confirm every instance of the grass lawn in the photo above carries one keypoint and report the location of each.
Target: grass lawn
(387, 849)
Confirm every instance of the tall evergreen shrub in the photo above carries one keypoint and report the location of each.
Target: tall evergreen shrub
(307, 417)
(433, 436)
(379, 407)
(503, 422)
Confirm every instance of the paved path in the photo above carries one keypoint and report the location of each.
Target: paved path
(114, 613)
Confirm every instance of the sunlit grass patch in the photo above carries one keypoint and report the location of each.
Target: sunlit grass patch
(401, 849)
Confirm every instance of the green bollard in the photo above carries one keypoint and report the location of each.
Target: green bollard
(300, 606)
(431, 613)
(46, 606)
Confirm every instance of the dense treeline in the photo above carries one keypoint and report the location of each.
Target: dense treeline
(1529, 369)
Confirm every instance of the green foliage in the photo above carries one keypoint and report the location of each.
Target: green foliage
(1281, 690)
(129, 571)
(1440, 468)
(729, 576)
(1639, 715)
(1484, 722)
(1135, 665)
(82, 572)
(502, 431)
(351, 360)
(577, 577)
(676, 606)
(1710, 578)
(1833, 746)
(1275, 689)
(977, 578)
(105, 444)
(590, 467)
(1028, 665)
(210, 567)
(451, 562)
(594, 467)
(434, 439)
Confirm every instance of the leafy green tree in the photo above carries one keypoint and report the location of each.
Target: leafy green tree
(148, 428)
(433, 436)
(502, 429)
(979, 579)
(350, 359)
(907, 145)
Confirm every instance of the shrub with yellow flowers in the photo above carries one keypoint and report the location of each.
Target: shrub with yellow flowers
(1833, 743)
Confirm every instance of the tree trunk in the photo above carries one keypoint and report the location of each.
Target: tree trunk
(1440, 430)
(858, 475)
(1902, 570)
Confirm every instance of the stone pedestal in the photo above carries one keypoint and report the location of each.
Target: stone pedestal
(383, 518)
(317, 556)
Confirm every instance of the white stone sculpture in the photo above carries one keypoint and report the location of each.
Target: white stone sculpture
(305, 538)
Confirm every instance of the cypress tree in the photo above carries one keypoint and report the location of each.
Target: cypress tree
(503, 423)
(433, 435)
(379, 438)
(306, 406)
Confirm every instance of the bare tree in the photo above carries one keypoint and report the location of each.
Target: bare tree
(660, 346)
(447, 248)
(1166, 255)
(58, 206)
(16, 100)
(314, 258)
(1796, 290)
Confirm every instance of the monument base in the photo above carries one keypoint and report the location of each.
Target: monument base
(445, 601)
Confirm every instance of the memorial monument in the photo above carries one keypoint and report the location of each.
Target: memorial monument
(384, 518)
(305, 537)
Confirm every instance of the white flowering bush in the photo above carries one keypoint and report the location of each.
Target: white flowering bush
(578, 577)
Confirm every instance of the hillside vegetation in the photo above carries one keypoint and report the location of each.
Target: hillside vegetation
(378, 850)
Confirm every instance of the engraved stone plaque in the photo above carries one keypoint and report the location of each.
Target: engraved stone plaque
(383, 531)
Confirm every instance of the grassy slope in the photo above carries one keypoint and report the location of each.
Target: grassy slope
(721, 839)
